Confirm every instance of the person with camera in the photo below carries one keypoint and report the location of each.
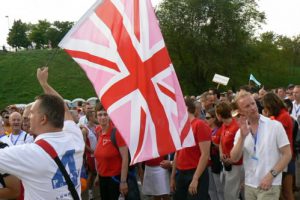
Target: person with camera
(233, 171)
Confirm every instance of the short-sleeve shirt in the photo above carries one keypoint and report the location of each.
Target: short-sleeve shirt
(38, 172)
(216, 135)
(258, 162)
(188, 158)
(21, 138)
(296, 110)
(285, 119)
(108, 157)
(227, 138)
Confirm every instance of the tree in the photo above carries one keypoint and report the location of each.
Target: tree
(17, 36)
(206, 37)
(57, 31)
(38, 34)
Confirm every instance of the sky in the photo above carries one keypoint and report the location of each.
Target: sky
(282, 15)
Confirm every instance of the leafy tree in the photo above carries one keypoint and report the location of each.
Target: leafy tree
(57, 31)
(38, 34)
(17, 36)
(206, 37)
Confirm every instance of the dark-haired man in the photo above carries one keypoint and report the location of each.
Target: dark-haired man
(192, 179)
(38, 172)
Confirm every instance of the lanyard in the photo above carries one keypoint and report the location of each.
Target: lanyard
(14, 143)
(214, 131)
(297, 109)
(255, 141)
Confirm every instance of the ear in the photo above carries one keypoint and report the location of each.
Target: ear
(44, 119)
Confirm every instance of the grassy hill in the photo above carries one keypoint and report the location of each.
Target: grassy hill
(18, 76)
(18, 83)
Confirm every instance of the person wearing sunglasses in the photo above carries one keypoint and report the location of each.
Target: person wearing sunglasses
(216, 186)
(6, 126)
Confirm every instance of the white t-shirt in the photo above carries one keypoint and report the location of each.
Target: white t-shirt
(296, 110)
(92, 138)
(82, 121)
(5, 139)
(39, 173)
(271, 137)
(21, 138)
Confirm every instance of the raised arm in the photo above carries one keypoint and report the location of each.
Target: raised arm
(42, 76)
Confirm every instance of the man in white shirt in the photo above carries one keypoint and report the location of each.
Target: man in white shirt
(83, 120)
(18, 136)
(265, 149)
(296, 103)
(38, 172)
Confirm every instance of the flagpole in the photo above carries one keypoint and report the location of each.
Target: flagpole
(51, 57)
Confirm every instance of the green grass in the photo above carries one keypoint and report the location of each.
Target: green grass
(19, 84)
(18, 76)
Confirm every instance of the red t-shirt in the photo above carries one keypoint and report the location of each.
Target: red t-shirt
(216, 135)
(188, 158)
(227, 138)
(285, 119)
(109, 161)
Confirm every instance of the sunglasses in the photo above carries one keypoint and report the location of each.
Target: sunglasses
(102, 114)
(6, 117)
(207, 117)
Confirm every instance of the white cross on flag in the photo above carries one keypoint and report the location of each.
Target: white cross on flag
(119, 45)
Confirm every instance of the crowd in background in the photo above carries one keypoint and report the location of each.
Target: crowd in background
(210, 170)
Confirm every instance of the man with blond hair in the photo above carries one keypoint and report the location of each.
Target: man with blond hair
(265, 149)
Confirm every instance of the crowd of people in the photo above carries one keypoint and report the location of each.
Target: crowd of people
(246, 147)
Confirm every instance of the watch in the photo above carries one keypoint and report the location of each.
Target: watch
(274, 173)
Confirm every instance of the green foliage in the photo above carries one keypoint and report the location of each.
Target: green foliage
(57, 31)
(38, 34)
(17, 36)
(18, 76)
(205, 37)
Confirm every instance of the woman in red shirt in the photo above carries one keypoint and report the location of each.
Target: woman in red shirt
(112, 163)
(275, 108)
(216, 187)
(233, 170)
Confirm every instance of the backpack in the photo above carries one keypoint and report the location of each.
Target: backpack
(114, 142)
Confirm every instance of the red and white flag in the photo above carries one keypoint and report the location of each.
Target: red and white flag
(119, 45)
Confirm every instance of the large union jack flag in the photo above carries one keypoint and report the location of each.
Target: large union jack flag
(119, 45)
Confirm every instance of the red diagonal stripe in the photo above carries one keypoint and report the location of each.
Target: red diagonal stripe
(137, 19)
(141, 133)
(185, 131)
(93, 59)
(167, 92)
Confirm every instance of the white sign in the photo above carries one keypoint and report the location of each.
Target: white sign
(220, 79)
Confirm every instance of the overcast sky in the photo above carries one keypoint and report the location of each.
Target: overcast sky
(283, 16)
